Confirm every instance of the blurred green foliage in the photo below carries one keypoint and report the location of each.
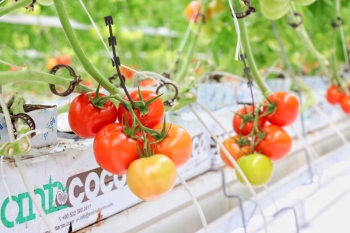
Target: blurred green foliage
(215, 48)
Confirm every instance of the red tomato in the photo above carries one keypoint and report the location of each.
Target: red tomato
(147, 82)
(153, 116)
(287, 109)
(177, 145)
(151, 177)
(85, 119)
(128, 74)
(51, 62)
(64, 59)
(236, 151)
(114, 151)
(345, 104)
(257, 168)
(244, 114)
(276, 144)
(333, 94)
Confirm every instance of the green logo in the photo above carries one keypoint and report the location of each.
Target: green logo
(53, 198)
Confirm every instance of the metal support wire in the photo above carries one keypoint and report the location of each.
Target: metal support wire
(290, 70)
(233, 196)
(295, 216)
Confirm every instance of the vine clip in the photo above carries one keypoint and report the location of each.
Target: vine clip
(112, 41)
(251, 9)
(338, 23)
(72, 84)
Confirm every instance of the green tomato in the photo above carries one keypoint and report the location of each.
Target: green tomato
(304, 2)
(274, 15)
(258, 169)
(45, 2)
(273, 5)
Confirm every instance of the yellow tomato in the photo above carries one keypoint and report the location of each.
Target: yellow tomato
(151, 177)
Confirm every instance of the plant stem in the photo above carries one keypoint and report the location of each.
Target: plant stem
(245, 44)
(190, 50)
(37, 76)
(305, 37)
(7, 9)
(68, 30)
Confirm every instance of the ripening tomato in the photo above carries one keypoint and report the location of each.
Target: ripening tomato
(64, 59)
(128, 74)
(12, 68)
(257, 168)
(192, 11)
(177, 145)
(236, 151)
(276, 144)
(114, 151)
(243, 120)
(287, 109)
(51, 62)
(147, 83)
(149, 116)
(87, 83)
(333, 94)
(215, 7)
(345, 104)
(85, 119)
(151, 177)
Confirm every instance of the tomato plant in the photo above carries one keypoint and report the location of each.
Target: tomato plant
(85, 119)
(257, 168)
(243, 120)
(151, 177)
(177, 144)
(283, 108)
(232, 144)
(149, 115)
(64, 59)
(276, 143)
(333, 94)
(345, 104)
(114, 151)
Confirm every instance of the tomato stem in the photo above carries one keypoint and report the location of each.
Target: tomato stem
(7, 9)
(68, 30)
(38, 76)
(237, 4)
(181, 75)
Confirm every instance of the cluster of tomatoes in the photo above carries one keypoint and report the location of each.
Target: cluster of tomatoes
(335, 95)
(141, 146)
(258, 144)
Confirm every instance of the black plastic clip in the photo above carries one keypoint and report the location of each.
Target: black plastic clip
(295, 25)
(251, 9)
(112, 41)
(27, 119)
(338, 23)
(72, 84)
(247, 73)
(172, 100)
